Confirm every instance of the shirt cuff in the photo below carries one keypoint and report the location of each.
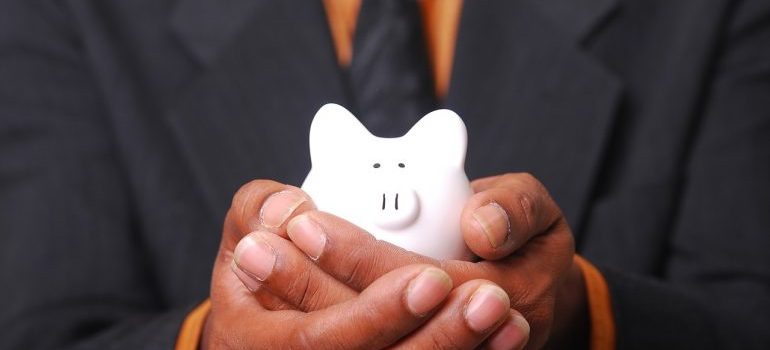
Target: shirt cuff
(192, 327)
(602, 321)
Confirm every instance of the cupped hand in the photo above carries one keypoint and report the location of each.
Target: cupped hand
(511, 222)
(262, 299)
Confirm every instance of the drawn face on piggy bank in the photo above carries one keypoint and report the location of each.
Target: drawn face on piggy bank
(409, 191)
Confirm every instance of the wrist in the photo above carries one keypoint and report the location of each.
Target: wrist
(571, 322)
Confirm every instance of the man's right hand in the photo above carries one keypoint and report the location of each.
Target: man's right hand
(414, 306)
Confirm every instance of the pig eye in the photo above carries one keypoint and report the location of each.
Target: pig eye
(401, 165)
(376, 165)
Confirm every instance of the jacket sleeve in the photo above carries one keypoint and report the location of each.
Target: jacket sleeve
(715, 290)
(72, 270)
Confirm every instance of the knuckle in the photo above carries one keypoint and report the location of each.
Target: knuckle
(247, 190)
(304, 338)
(309, 297)
(509, 178)
(522, 179)
(357, 268)
(298, 288)
(529, 183)
(269, 301)
(528, 178)
(242, 200)
(306, 297)
(525, 210)
(317, 336)
(464, 271)
(531, 204)
(360, 265)
(443, 338)
(256, 190)
(298, 285)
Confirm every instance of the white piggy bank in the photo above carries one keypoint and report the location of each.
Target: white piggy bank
(409, 191)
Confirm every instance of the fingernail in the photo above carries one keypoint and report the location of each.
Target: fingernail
(251, 283)
(512, 335)
(427, 290)
(255, 257)
(307, 235)
(487, 306)
(279, 206)
(494, 221)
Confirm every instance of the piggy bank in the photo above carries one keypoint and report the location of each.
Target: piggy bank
(409, 190)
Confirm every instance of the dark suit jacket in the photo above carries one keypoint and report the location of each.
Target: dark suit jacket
(126, 126)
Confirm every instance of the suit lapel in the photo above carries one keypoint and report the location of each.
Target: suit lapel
(533, 100)
(577, 19)
(206, 26)
(266, 67)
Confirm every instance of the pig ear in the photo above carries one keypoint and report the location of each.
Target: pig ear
(333, 131)
(441, 136)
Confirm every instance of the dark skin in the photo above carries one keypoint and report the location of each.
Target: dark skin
(523, 242)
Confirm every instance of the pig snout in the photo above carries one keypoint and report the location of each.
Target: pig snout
(396, 208)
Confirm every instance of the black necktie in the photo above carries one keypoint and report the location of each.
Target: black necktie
(389, 71)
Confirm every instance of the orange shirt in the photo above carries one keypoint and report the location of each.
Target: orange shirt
(440, 22)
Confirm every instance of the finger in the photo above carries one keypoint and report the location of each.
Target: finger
(472, 312)
(247, 211)
(235, 310)
(227, 290)
(263, 205)
(366, 258)
(228, 287)
(388, 310)
(505, 213)
(513, 334)
(266, 299)
(264, 261)
(533, 270)
(347, 252)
